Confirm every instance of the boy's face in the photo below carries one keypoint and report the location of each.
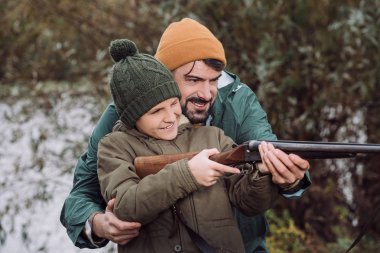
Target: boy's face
(161, 122)
(198, 84)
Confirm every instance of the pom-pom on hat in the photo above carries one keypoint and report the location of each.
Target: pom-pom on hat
(138, 82)
(187, 41)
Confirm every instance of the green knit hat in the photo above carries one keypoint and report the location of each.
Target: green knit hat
(138, 81)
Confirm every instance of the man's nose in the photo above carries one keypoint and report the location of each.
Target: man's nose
(205, 91)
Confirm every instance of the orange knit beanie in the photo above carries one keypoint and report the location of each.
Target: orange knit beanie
(187, 41)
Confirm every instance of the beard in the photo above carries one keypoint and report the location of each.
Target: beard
(196, 116)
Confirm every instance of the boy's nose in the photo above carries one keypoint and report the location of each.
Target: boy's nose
(169, 116)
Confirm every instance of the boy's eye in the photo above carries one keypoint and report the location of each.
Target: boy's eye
(155, 111)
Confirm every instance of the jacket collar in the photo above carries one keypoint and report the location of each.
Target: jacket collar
(226, 90)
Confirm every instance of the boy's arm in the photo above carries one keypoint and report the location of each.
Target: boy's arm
(85, 198)
(252, 194)
(140, 200)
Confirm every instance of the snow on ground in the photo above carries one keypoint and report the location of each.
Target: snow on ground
(40, 140)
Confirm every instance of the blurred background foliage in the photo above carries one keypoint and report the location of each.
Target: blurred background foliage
(315, 66)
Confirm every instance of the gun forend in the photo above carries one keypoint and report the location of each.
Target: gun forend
(320, 150)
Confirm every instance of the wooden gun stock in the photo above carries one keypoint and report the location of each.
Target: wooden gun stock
(146, 165)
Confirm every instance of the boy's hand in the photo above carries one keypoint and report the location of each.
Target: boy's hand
(206, 171)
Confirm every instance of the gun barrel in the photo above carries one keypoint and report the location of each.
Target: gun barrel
(315, 146)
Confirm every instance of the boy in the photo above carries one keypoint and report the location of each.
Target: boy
(187, 206)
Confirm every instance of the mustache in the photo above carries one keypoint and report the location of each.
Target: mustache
(198, 100)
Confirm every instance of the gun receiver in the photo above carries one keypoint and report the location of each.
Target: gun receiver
(249, 152)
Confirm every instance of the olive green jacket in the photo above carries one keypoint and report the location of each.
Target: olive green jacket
(236, 110)
(206, 210)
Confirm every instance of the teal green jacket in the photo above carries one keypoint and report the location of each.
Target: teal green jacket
(236, 110)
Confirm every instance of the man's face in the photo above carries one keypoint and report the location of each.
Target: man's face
(198, 84)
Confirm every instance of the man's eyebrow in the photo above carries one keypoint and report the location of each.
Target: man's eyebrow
(194, 77)
(216, 78)
(200, 78)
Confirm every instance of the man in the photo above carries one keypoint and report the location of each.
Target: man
(210, 96)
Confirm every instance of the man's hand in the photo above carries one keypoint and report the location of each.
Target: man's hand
(109, 227)
(206, 171)
(285, 169)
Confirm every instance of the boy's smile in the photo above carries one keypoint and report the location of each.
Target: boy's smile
(161, 122)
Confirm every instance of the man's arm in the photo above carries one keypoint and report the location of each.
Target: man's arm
(85, 198)
(82, 201)
(138, 199)
(238, 112)
(290, 172)
(255, 126)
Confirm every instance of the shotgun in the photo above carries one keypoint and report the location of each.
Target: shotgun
(248, 152)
